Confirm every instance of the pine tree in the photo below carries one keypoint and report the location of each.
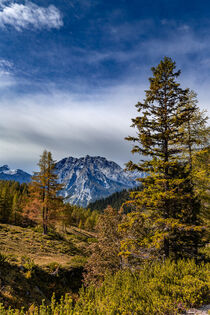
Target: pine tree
(44, 201)
(167, 199)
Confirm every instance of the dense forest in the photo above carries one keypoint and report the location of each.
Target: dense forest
(149, 248)
(115, 200)
(18, 206)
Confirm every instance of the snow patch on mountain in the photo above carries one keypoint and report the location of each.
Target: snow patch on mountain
(17, 175)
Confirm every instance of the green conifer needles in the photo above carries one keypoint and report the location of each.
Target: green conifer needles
(168, 198)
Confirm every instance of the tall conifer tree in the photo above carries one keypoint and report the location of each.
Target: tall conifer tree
(167, 198)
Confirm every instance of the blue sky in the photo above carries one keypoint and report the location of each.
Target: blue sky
(71, 71)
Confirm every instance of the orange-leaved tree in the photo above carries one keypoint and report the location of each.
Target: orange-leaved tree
(44, 204)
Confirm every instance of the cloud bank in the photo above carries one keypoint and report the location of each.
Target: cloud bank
(67, 126)
(29, 15)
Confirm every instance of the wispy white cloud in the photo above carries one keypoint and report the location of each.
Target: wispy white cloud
(178, 42)
(29, 15)
(128, 31)
(6, 74)
(5, 66)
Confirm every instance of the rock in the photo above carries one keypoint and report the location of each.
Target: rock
(204, 310)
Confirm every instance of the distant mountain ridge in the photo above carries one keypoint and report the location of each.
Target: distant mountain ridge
(85, 179)
(89, 178)
(17, 175)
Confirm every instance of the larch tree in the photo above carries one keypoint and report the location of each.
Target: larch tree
(167, 200)
(44, 202)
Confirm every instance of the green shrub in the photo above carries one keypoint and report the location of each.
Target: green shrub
(27, 263)
(159, 288)
(166, 288)
(78, 261)
(29, 266)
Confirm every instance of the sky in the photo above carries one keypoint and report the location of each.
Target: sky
(71, 71)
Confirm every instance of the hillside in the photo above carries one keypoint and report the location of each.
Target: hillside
(33, 265)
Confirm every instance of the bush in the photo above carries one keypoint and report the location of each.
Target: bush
(166, 288)
(28, 265)
(159, 288)
(78, 261)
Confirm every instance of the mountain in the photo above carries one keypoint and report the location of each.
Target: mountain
(18, 175)
(90, 178)
(85, 179)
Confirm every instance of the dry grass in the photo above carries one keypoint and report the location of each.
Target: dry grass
(33, 265)
(16, 242)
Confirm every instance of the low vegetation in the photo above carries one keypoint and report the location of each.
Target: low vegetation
(157, 288)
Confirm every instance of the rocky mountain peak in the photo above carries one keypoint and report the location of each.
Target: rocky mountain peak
(17, 175)
(4, 168)
(89, 178)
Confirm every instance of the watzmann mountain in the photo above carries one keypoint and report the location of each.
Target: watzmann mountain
(90, 178)
(85, 179)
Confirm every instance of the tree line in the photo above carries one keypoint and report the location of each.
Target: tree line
(39, 202)
(12, 196)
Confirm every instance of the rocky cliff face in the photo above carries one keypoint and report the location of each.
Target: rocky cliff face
(89, 178)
